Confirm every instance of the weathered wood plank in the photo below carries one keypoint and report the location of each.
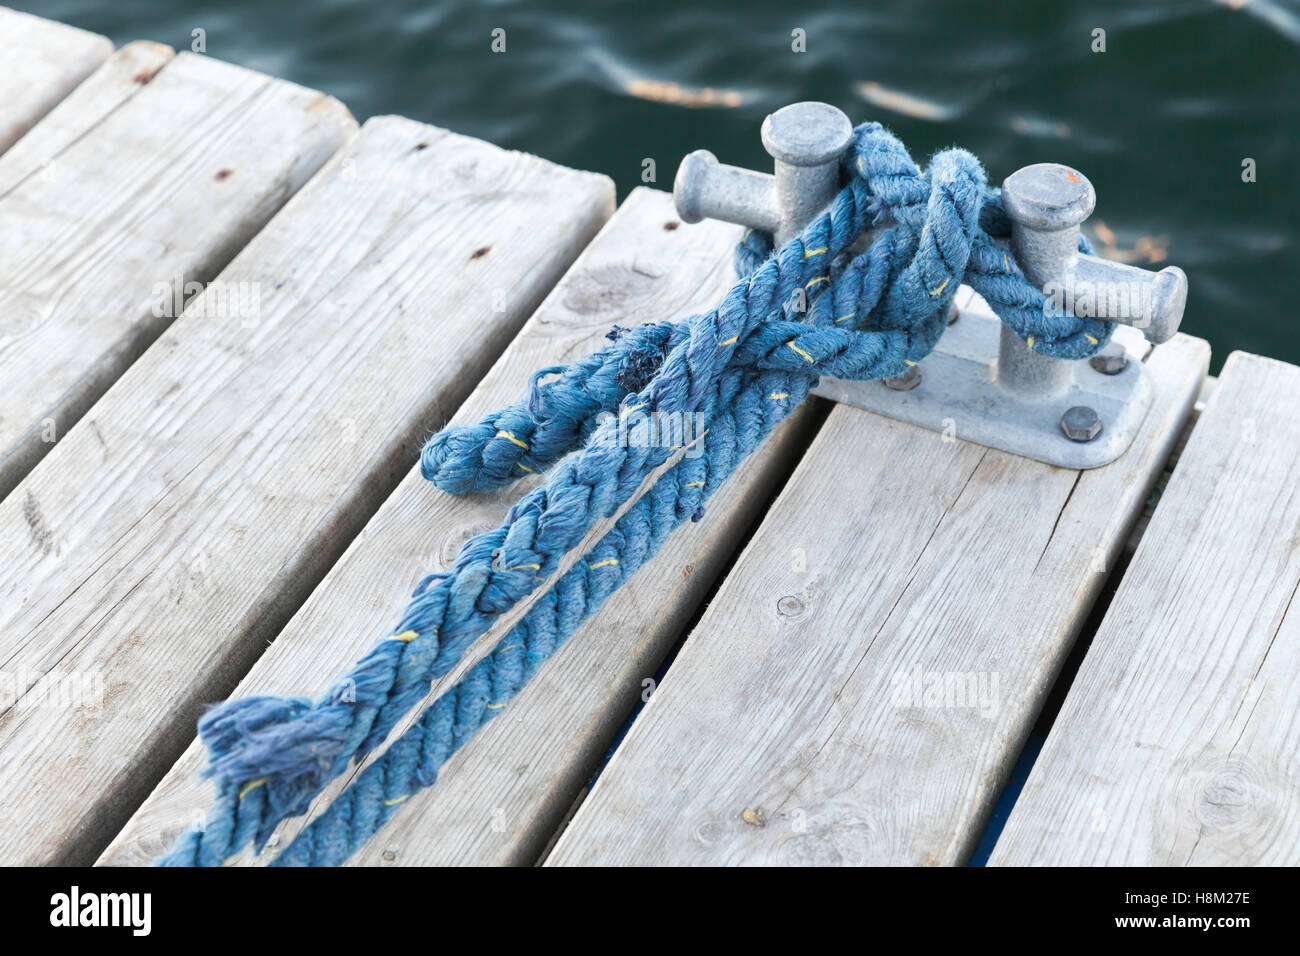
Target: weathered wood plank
(786, 731)
(176, 528)
(42, 62)
(499, 799)
(119, 78)
(1179, 741)
(169, 184)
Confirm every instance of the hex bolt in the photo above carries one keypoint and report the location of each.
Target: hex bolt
(1111, 360)
(805, 140)
(1081, 423)
(907, 381)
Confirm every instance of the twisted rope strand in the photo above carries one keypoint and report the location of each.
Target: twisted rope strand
(805, 310)
(412, 762)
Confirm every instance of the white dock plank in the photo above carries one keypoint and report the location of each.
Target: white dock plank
(499, 799)
(170, 183)
(1179, 741)
(119, 78)
(171, 534)
(41, 62)
(785, 731)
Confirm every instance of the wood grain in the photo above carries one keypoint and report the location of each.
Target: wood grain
(1179, 741)
(160, 547)
(120, 77)
(789, 730)
(43, 62)
(500, 798)
(170, 183)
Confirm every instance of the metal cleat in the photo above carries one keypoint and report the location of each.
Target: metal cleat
(981, 383)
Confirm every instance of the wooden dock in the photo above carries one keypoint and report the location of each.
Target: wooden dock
(225, 331)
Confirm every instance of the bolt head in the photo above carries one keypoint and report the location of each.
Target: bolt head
(807, 134)
(1048, 197)
(907, 381)
(1111, 360)
(1081, 423)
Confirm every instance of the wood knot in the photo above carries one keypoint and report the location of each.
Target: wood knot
(454, 541)
(832, 835)
(1228, 795)
(709, 831)
(1222, 807)
(790, 606)
(610, 290)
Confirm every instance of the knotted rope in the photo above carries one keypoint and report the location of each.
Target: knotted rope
(808, 310)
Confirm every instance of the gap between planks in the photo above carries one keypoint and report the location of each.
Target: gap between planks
(784, 731)
(1177, 742)
(502, 795)
(116, 81)
(171, 534)
(43, 62)
(133, 189)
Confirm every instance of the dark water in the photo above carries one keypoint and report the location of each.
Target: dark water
(1160, 122)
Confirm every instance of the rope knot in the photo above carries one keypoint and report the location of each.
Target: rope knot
(820, 305)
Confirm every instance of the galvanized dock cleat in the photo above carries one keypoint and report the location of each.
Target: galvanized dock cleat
(981, 383)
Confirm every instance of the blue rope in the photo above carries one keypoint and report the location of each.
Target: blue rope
(805, 310)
